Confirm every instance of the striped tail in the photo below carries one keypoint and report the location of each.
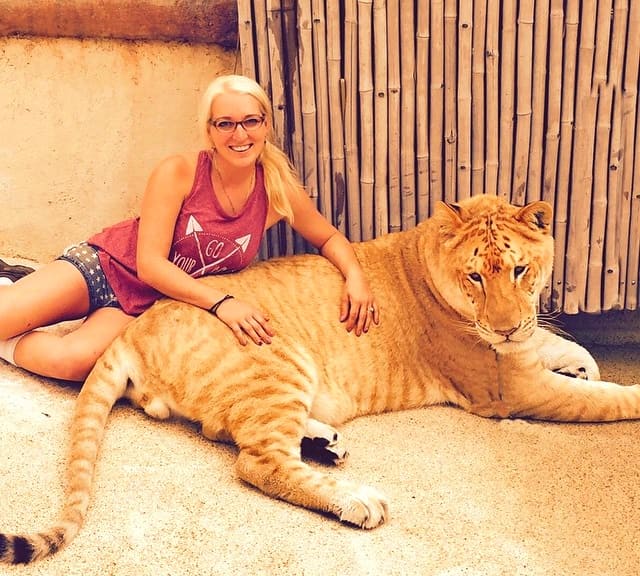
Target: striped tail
(105, 384)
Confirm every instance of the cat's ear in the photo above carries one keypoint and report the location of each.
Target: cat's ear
(455, 211)
(537, 216)
(449, 216)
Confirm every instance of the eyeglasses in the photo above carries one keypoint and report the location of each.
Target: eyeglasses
(250, 123)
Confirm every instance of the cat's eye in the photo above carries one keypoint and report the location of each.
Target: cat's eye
(519, 271)
(475, 277)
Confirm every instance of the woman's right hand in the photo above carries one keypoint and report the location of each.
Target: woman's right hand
(245, 320)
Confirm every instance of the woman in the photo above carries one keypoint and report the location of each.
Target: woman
(201, 214)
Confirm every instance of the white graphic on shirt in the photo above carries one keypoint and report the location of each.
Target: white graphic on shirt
(213, 250)
(242, 243)
(193, 227)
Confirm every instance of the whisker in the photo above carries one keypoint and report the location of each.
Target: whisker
(552, 324)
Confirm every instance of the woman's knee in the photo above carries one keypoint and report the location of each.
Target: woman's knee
(56, 356)
(54, 293)
(70, 356)
(75, 369)
(10, 323)
(76, 360)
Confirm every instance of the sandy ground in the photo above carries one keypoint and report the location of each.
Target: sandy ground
(468, 496)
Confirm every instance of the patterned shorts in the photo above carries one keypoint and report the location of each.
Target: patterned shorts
(85, 258)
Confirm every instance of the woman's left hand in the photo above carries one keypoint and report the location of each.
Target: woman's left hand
(358, 307)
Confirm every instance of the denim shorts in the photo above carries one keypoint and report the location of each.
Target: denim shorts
(85, 258)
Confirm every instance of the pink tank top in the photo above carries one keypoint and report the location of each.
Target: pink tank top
(206, 240)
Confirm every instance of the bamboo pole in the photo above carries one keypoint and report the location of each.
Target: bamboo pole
(271, 242)
(280, 129)
(308, 108)
(582, 166)
(554, 101)
(538, 99)
(611, 297)
(407, 114)
(367, 139)
(436, 104)
(262, 39)
(524, 70)
(293, 112)
(507, 97)
(478, 100)
(604, 82)
(275, 46)
(393, 69)
(323, 153)
(550, 295)
(450, 101)
(629, 236)
(350, 95)
(633, 264)
(245, 36)
(422, 110)
(463, 120)
(572, 21)
(599, 202)
(334, 73)
(381, 100)
(308, 98)
(492, 121)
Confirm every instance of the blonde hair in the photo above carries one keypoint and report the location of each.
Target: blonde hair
(279, 173)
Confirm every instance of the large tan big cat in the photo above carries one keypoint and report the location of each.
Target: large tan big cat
(458, 297)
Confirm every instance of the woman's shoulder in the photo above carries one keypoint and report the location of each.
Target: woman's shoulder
(179, 164)
(177, 170)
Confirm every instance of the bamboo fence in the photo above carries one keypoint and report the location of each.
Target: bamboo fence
(388, 106)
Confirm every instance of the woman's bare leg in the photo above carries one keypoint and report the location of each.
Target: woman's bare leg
(52, 294)
(73, 355)
(55, 293)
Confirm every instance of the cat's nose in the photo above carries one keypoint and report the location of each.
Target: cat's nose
(506, 332)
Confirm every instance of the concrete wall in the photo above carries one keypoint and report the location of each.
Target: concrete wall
(193, 21)
(82, 123)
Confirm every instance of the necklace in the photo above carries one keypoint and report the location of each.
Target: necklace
(224, 190)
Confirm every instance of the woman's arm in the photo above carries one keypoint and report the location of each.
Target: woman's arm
(166, 190)
(168, 185)
(358, 306)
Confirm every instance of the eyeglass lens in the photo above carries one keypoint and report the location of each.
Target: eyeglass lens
(249, 124)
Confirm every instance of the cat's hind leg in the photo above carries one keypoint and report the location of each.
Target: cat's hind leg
(269, 440)
(323, 443)
(281, 474)
(153, 406)
(214, 432)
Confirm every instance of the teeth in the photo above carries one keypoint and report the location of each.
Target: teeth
(241, 148)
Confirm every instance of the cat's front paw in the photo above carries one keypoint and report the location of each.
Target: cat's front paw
(584, 368)
(579, 372)
(569, 359)
(364, 507)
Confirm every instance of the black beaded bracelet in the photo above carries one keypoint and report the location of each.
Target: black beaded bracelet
(214, 308)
